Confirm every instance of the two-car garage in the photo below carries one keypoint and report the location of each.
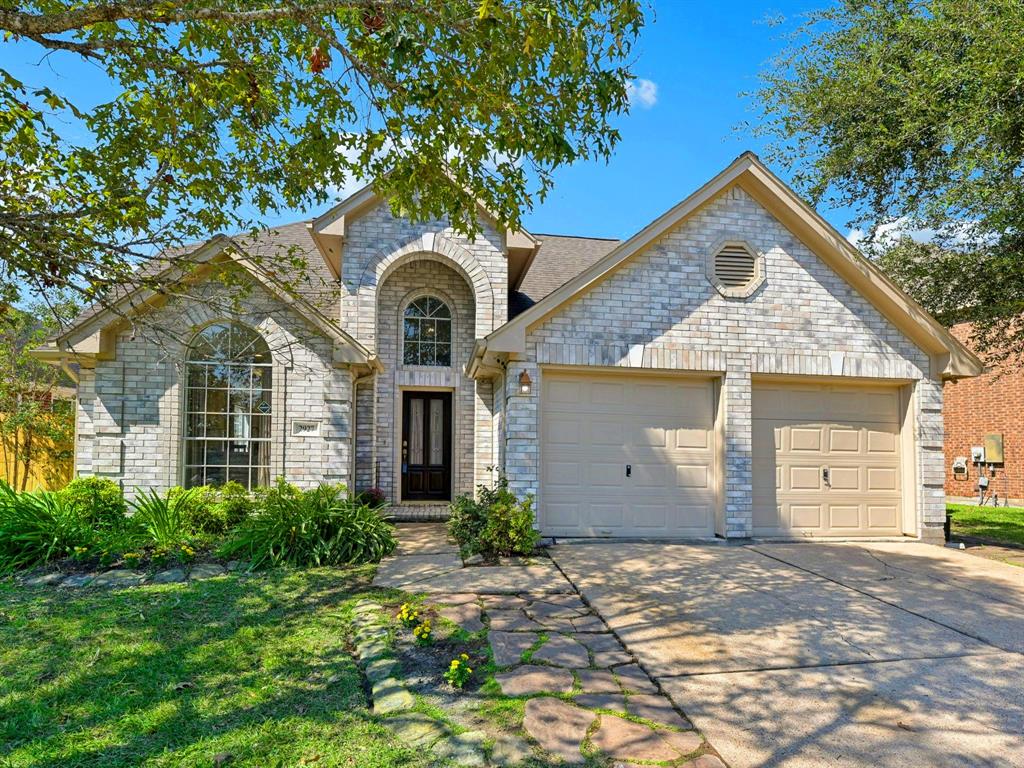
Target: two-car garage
(626, 455)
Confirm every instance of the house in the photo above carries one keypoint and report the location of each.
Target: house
(734, 369)
(991, 405)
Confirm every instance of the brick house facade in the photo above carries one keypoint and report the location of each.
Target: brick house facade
(734, 370)
(992, 403)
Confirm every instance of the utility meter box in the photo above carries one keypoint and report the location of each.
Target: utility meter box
(978, 454)
(960, 467)
(994, 449)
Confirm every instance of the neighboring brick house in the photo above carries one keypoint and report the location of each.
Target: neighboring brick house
(992, 403)
(734, 369)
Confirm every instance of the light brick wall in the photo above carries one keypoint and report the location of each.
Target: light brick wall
(129, 413)
(660, 311)
(385, 259)
(406, 283)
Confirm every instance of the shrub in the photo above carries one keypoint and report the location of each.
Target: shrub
(163, 520)
(200, 508)
(495, 523)
(373, 497)
(38, 527)
(235, 502)
(317, 527)
(97, 500)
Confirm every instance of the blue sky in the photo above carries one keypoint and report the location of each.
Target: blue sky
(694, 60)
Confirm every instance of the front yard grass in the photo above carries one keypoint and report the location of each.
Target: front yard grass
(998, 523)
(255, 668)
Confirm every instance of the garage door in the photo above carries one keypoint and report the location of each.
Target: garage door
(627, 456)
(826, 461)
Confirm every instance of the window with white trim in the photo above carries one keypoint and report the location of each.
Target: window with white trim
(427, 332)
(228, 407)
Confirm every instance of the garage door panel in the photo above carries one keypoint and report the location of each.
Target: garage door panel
(661, 427)
(798, 431)
(805, 439)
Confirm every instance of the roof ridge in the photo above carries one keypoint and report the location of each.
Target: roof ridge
(577, 237)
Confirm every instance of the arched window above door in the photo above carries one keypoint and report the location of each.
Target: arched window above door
(427, 332)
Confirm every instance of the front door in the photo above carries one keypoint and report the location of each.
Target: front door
(427, 446)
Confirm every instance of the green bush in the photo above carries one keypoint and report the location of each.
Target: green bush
(98, 500)
(495, 523)
(235, 502)
(200, 508)
(162, 520)
(317, 527)
(38, 527)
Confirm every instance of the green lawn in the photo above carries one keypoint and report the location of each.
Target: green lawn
(1001, 523)
(254, 667)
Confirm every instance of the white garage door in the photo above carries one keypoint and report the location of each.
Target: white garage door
(826, 461)
(626, 455)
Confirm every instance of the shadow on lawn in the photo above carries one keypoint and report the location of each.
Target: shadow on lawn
(253, 666)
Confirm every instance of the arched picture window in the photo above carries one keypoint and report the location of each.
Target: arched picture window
(427, 333)
(228, 407)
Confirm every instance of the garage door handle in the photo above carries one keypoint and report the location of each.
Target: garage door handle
(629, 470)
(825, 477)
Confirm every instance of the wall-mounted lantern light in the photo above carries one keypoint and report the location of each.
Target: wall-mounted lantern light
(525, 383)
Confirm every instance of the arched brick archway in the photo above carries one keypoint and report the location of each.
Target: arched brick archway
(428, 247)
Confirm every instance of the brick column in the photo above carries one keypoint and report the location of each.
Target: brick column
(739, 520)
(931, 465)
(522, 431)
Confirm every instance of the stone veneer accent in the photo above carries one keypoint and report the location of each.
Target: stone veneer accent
(129, 413)
(659, 311)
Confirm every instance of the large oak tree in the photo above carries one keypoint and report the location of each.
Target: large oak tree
(225, 113)
(913, 111)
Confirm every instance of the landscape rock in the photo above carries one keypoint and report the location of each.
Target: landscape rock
(657, 708)
(529, 680)
(473, 559)
(415, 729)
(633, 678)
(170, 576)
(509, 751)
(589, 624)
(458, 598)
(78, 580)
(202, 571)
(390, 696)
(625, 740)
(512, 621)
(465, 749)
(542, 611)
(686, 742)
(380, 669)
(45, 580)
(466, 615)
(558, 727)
(598, 681)
(616, 702)
(562, 651)
(508, 647)
(704, 761)
(118, 577)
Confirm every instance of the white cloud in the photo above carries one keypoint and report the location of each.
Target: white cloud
(893, 231)
(642, 93)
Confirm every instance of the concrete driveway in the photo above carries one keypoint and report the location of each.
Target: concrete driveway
(823, 654)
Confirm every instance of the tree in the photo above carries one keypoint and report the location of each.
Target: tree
(913, 112)
(36, 425)
(228, 113)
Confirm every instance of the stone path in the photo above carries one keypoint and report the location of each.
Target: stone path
(585, 694)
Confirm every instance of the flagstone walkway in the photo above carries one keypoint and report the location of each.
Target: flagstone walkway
(585, 694)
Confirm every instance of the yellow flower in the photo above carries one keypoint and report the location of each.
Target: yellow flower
(455, 663)
(465, 657)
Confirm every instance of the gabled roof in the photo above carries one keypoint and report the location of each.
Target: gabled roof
(90, 336)
(328, 231)
(949, 356)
